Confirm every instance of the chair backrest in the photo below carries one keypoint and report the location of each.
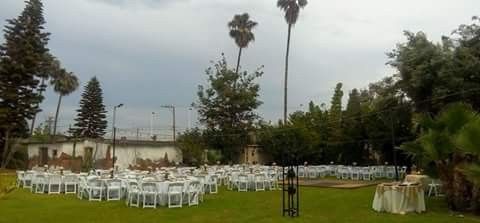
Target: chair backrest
(132, 185)
(114, 182)
(70, 179)
(148, 179)
(259, 177)
(175, 187)
(95, 182)
(39, 178)
(194, 185)
(242, 177)
(20, 174)
(55, 179)
(28, 175)
(149, 187)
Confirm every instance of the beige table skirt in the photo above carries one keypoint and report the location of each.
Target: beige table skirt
(399, 199)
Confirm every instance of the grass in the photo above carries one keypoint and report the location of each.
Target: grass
(7, 182)
(317, 205)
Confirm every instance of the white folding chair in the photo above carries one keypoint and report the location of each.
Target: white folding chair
(27, 180)
(39, 182)
(242, 182)
(434, 187)
(133, 194)
(193, 192)
(212, 184)
(114, 190)
(175, 194)
(20, 175)
(82, 187)
(149, 194)
(54, 184)
(273, 181)
(355, 173)
(70, 183)
(95, 189)
(259, 182)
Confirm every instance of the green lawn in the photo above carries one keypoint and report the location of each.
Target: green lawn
(318, 205)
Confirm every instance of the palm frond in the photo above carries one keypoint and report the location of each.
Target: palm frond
(302, 3)
(468, 138)
(455, 116)
(241, 29)
(472, 172)
(437, 145)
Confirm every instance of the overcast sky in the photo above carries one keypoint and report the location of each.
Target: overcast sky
(152, 52)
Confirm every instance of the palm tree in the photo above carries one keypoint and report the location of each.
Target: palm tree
(292, 10)
(446, 141)
(64, 83)
(241, 30)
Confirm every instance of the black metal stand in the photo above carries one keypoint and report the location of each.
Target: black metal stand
(290, 189)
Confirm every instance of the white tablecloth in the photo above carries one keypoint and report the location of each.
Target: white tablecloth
(399, 199)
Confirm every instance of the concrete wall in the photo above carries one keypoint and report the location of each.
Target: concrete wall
(125, 153)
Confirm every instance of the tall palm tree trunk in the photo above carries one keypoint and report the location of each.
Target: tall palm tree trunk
(238, 59)
(56, 115)
(286, 76)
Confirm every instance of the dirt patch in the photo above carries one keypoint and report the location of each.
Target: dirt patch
(334, 183)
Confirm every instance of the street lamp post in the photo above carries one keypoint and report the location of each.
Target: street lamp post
(189, 118)
(173, 121)
(114, 136)
(151, 124)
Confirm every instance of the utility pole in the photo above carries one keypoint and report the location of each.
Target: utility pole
(173, 121)
(151, 124)
(114, 136)
(138, 130)
(189, 117)
(394, 148)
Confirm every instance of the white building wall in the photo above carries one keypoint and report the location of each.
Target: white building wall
(125, 154)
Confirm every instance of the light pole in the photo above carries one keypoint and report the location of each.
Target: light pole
(151, 124)
(173, 120)
(114, 136)
(189, 118)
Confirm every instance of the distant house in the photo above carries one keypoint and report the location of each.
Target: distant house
(98, 153)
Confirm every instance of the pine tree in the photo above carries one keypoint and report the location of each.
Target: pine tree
(335, 114)
(23, 61)
(353, 128)
(335, 124)
(90, 121)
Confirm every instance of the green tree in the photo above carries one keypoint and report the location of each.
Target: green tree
(64, 83)
(192, 144)
(22, 63)
(335, 134)
(446, 141)
(388, 120)
(292, 142)
(241, 31)
(227, 107)
(354, 131)
(420, 63)
(292, 11)
(90, 121)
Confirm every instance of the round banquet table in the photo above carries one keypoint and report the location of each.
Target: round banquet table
(399, 198)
